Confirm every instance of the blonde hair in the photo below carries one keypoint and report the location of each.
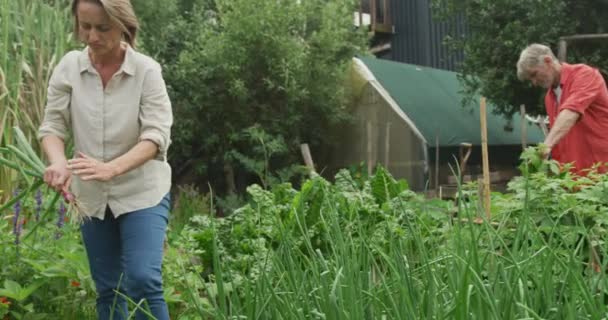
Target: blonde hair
(533, 56)
(120, 12)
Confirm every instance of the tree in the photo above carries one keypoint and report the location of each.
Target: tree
(232, 65)
(499, 29)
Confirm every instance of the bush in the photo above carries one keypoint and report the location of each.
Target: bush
(233, 65)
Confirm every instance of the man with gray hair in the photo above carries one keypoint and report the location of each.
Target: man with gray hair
(577, 106)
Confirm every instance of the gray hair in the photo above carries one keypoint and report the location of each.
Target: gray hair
(532, 56)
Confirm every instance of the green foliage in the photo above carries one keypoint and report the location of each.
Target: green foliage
(384, 187)
(259, 150)
(188, 202)
(47, 273)
(533, 161)
(355, 249)
(317, 249)
(249, 237)
(233, 65)
(15, 291)
(497, 31)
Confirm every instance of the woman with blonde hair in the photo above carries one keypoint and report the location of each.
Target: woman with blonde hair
(113, 102)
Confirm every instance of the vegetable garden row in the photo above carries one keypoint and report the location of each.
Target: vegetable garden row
(358, 248)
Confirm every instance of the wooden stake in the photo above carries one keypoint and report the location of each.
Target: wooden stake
(370, 159)
(464, 157)
(562, 50)
(307, 157)
(387, 144)
(524, 126)
(485, 159)
(578, 37)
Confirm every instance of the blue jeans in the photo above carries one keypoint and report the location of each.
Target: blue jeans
(125, 255)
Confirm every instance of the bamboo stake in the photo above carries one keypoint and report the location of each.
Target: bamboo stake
(485, 159)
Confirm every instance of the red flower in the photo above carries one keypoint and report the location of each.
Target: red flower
(75, 283)
(4, 300)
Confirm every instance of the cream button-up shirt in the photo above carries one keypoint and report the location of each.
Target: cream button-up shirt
(105, 124)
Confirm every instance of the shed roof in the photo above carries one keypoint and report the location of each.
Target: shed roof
(432, 100)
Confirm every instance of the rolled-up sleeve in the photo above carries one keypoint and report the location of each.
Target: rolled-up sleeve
(586, 86)
(56, 112)
(155, 113)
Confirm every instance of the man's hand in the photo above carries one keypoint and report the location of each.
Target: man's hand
(544, 150)
(88, 168)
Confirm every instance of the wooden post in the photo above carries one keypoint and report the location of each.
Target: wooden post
(387, 144)
(524, 126)
(361, 14)
(484, 153)
(370, 159)
(437, 161)
(372, 14)
(562, 50)
(307, 157)
(229, 178)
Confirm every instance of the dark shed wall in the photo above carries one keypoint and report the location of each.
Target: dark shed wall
(418, 39)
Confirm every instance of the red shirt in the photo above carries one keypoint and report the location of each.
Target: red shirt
(583, 91)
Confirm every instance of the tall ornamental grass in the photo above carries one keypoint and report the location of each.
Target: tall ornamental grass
(34, 35)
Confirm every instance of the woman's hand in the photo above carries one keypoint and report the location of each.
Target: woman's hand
(88, 168)
(58, 176)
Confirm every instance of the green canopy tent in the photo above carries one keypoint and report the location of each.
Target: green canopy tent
(403, 112)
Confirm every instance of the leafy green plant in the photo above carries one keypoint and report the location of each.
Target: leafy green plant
(15, 291)
(533, 161)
